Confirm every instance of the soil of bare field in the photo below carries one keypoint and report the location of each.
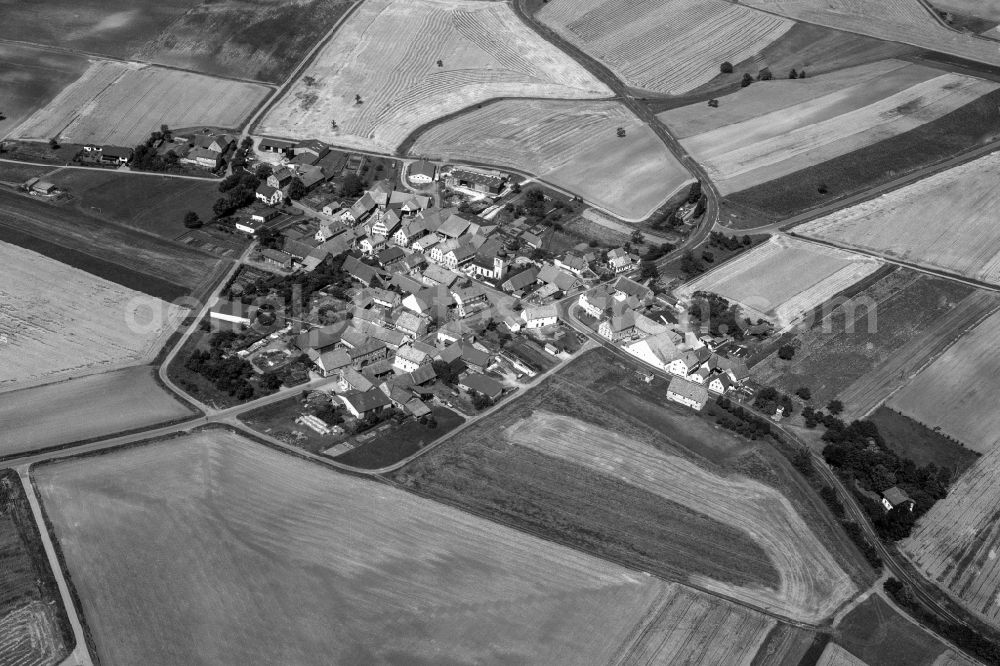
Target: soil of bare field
(135, 260)
(970, 126)
(209, 548)
(30, 78)
(33, 627)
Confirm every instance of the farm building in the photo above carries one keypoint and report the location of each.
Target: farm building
(687, 393)
(276, 258)
(895, 497)
(422, 172)
(234, 312)
(537, 317)
(618, 327)
(475, 382)
(271, 196)
(620, 261)
(363, 405)
(276, 146)
(657, 350)
(482, 181)
(43, 187)
(329, 362)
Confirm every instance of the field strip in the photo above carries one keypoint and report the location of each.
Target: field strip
(866, 394)
(813, 584)
(834, 655)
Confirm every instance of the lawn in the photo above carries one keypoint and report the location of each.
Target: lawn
(972, 125)
(31, 77)
(920, 444)
(400, 441)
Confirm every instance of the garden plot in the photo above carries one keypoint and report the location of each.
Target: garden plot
(316, 567)
(956, 392)
(57, 321)
(783, 279)
(957, 541)
(575, 145)
(668, 46)
(812, 583)
(946, 221)
(120, 103)
(789, 139)
(446, 55)
(906, 21)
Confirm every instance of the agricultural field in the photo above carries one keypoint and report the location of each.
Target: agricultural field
(920, 444)
(326, 568)
(783, 279)
(897, 320)
(84, 408)
(589, 462)
(574, 145)
(121, 103)
(135, 260)
(906, 21)
(951, 392)
(834, 655)
(151, 203)
(986, 9)
(255, 39)
(30, 78)
(59, 321)
(956, 542)
(667, 47)
(905, 224)
(777, 128)
(786, 645)
(879, 635)
(34, 630)
(359, 94)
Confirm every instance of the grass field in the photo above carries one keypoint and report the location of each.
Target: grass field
(574, 145)
(320, 568)
(667, 47)
(256, 39)
(783, 279)
(615, 484)
(834, 655)
(34, 630)
(968, 127)
(135, 260)
(156, 204)
(901, 317)
(905, 223)
(30, 78)
(920, 444)
(121, 103)
(484, 50)
(879, 635)
(986, 9)
(956, 542)
(15, 174)
(950, 394)
(777, 128)
(84, 408)
(60, 322)
(906, 21)
(400, 441)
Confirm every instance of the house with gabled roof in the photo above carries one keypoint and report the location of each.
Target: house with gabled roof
(352, 380)
(361, 271)
(687, 393)
(896, 498)
(563, 280)
(521, 280)
(271, 196)
(469, 299)
(439, 276)
(657, 350)
(363, 405)
(422, 172)
(329, 362)
(425, 244)
(361, 210)
(456, 225)
(459, 257)
(720, 384)
(620, 261)
(408, 358)
(411, 325)
(543, 315)
(625, 288)
(483, 385)
(573, 263)
(410, 231)
(618, 327)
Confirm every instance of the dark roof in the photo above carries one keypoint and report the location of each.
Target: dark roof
(275, 143)
(489, 387)
(116, 151)
(896, 496)
(372, 399)
(389, 255)
(423, 168)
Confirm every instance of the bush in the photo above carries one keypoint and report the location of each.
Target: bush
(726, 67)
(835, 407)
(786, 352)
(191, 220)
(747, 80)
(804, 393)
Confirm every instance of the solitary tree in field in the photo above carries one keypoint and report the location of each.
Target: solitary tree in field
(786, 352)
(764, 75)
(835, 407)
(726, 67)
(334, 125)
(747, 240)
(54, 143)
(440, 63)
(621, 131)
(747, 80)
(714, 103)
(793, 74)
(191, 220)
(357, 99)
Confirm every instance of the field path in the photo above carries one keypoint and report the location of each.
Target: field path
(80, 655)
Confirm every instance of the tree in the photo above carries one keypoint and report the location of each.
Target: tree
(357, 99)
(786, 352)
(802, 74)
(764, 75)
(695, 192)
(835, 407)
(648, 271)
(621, 131)
(296, 189)
(54, 143)
(747, 80)
(352, 186)
(191, 220)
(440, 63)
(714, 103)
(263, 171)
(637, 237)
(726, 67)
(793, 74)
(804, 393)
(747, 241)
(333, 124)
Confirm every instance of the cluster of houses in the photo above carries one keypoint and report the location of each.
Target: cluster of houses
(109, 155)
(697, 370)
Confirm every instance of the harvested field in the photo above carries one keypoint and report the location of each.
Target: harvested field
(121, 103)
(484, 50)
(668, 47)
(879, 635)
(574, 145)
(986, 9)
(130, 258)
(151, 203)
(255, 39)
(786, 645)
(834, 655)
(30, 78)
(57, 321)
(956, 542)
(323, 568)
(764, 142)
(906, 21)
(812, 583)
(783, 279)
(905, 224)
(862, 346)
(953, 392)
(84, 408)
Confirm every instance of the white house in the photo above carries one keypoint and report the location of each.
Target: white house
(409, 359)
(619, 261)
(271, 196)
(537, 317)
(687, 393)
(657, 350)
(422, 172)
(595, 302)
(719, 384)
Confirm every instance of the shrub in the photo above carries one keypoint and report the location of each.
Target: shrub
(804, 393)
(747, 80)
(726, 67)
(786, 352)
